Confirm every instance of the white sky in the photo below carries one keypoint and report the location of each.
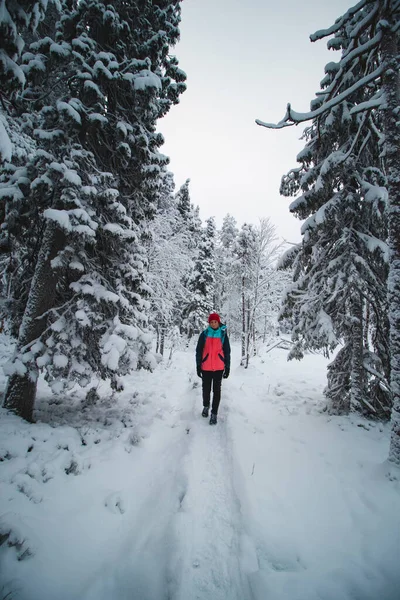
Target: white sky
(245, 60)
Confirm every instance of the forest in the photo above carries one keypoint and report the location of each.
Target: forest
(106, 266)
(99, 253)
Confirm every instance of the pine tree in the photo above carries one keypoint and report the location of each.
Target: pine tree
(94, 183)
(17, 19)
(226, 299)
(201, 283)
(341, 267)
(183, 200)
(188, 223)
(390, 16)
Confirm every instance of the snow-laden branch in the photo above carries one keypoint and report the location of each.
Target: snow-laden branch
(374, 128)
(352, 52)
(376, 101)
(321, 33)
(358, 50)
(294, 118)
(365, 22)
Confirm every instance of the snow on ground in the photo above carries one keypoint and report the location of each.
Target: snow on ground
(137, 497)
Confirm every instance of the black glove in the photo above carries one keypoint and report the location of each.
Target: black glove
(199, 373)
(226, 373)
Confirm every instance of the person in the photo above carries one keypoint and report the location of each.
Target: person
(213, 361)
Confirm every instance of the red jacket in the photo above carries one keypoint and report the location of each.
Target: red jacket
(213, 350)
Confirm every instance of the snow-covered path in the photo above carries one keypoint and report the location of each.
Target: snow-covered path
(144, 500)
(185, 534)
(209, 521)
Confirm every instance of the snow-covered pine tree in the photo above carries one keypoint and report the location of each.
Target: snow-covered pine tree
(340, 268)
(18, 21)
(188, 223)
(183, 200)
(390, 21)
(226, 292)
(94, 181)
(201, 283)
(17, 18)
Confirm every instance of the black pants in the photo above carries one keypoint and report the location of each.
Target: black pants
(212, 378)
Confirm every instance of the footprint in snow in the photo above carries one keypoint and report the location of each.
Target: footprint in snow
(115, 503)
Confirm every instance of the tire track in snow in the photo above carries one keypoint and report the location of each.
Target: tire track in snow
(207, 563)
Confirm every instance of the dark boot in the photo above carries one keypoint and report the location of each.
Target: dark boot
(205, 411)
(213, 419)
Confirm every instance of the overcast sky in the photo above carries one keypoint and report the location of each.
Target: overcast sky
(245, 60)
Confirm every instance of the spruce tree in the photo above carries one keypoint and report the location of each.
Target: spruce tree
(390, 15)
(341, 266)
(226, 293)
(201, 283)
(94, 182)
(188, 223)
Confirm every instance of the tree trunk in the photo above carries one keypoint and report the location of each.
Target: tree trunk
(162, 339)
(157, 339)
(338, 389)
(357, 377)
(391, 125)
(367, 319)
(21, 387)
(243, 323)
(248, 333)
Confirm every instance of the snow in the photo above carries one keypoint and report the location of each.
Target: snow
(60, 360)
(12, 192)
(112, 350)
(59, 216)
(98, 117)
(5, 142)
(62, 49)
(70, 110)
(9, 65)
(134, 496)
(99, 67)
(145, 79)
(44, 134)
(62, 217)
(98, 291)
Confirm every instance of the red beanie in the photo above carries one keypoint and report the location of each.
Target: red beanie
(214, 317)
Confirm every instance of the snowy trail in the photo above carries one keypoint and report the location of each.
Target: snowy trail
(183, 542)
(209, 519)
